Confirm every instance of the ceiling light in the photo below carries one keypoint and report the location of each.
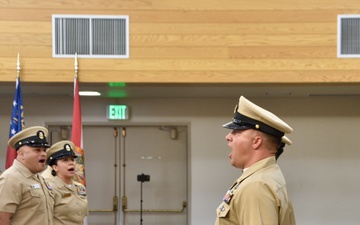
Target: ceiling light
(89, 93)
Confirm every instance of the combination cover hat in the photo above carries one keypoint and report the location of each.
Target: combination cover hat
(286, 140)
(33, 136)
(60, 150)
(247, 115)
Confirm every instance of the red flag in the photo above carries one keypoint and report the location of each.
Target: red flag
(16, 122)
(76, 136)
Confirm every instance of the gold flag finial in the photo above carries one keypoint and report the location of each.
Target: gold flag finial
(76, 65)
(18, 65)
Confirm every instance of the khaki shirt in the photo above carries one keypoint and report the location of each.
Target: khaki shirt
(47, 174)
(71, 205)
(26, 195)
(258, 197)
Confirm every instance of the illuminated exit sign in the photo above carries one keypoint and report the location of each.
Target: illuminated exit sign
(117, 112)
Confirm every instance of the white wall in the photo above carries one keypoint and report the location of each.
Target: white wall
(321, 167)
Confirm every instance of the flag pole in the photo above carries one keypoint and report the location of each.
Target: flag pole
(18, 66)
(76, 130)
(76, 66)
(17, 116)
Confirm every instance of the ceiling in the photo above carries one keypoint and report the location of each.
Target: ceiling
(183, 90)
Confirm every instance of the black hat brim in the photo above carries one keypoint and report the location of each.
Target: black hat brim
(52, 161)
(234, 126)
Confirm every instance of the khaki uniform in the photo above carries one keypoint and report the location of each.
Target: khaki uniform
(47, 174)
(26, 195)
(258, 197)
(71, 205)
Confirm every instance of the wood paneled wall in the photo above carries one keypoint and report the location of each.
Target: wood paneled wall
(187, 41)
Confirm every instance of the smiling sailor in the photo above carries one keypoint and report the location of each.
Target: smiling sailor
(71, 205)
(25, 196)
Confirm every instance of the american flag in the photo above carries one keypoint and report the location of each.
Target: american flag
(16, 122)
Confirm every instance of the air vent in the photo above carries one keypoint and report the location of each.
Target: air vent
(90, 36)
(348, 36)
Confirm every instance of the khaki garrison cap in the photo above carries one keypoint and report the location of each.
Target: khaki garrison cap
(32, 136)
(60, 150)
(247, 115)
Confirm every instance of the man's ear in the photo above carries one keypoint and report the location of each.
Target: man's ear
(20, 152)
(257, 142)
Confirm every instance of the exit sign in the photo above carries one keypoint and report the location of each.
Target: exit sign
(117, 112)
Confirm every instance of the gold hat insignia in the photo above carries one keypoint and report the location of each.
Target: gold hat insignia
(41, 135)
(67, 147)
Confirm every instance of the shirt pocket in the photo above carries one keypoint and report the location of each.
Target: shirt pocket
(223, 210)
(36, 193)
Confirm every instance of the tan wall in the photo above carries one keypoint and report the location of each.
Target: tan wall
(173, 41)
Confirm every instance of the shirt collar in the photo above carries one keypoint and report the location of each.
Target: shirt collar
(23, 169)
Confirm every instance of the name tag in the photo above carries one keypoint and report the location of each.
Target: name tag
(66, 195)
(35, 186)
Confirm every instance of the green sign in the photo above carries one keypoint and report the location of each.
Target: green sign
(118, 112)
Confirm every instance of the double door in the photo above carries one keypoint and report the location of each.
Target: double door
(134, 174)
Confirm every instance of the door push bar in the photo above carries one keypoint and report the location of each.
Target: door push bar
(114, 209)
(125, 209)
